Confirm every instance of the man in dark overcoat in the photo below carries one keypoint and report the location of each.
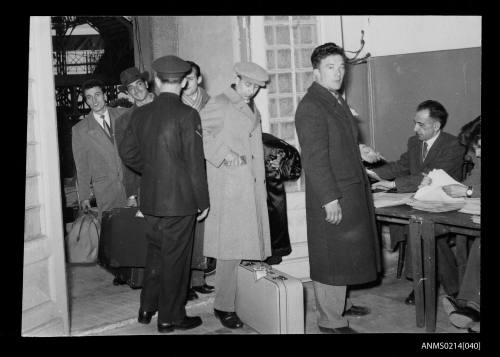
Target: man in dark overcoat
(164, 143)
(430, 148)
(341, 231)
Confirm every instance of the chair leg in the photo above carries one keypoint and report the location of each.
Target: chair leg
(401, 259)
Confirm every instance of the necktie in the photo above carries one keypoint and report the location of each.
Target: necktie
(424, 151)
(105, 125)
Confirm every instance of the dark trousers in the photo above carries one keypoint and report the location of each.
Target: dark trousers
(168, 263)
(446, 264)
(198, 261)
(470, 289)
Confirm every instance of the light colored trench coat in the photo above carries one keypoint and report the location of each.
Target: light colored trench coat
(237, 226)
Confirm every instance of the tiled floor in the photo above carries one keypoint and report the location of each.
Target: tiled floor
(100, 308)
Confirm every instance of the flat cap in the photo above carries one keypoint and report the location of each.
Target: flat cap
(252, 72)
(170, 67)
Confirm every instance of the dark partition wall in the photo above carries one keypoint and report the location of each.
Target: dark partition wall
(397, 84)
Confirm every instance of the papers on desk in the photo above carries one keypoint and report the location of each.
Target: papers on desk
(472, 206)
(388, 199)
(434, 192)
(476, 219)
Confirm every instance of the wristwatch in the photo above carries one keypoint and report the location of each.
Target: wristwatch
(468, 193)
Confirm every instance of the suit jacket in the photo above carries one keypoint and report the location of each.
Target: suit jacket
(164, 143)
(446, 153)
(98, 163)
(347, 253)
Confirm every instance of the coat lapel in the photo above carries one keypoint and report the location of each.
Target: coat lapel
(431, 154)
(243, 107)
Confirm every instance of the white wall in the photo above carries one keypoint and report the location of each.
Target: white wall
(390, 35)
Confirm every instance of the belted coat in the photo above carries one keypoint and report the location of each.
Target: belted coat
(347, 253)
(237, 226)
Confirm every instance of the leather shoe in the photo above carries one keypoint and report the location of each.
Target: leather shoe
(228, 319)
(188, 323)
(357, 311)
(345, 329)
(211, 266)
(460, 316)
(410, 299)
(191, 295)
(145, 316)
(204, 289)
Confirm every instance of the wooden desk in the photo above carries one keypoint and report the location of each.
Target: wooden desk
(423, 228)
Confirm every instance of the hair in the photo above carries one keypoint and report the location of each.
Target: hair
(436, 111)
(91, 83)
(195, 67)
(470, 133)
(325, 50)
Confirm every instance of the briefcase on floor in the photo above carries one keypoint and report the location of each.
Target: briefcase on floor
(123, 240)
(269, 301)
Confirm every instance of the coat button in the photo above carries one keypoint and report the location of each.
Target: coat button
(254, 180)
(250, 135)
(252, 157)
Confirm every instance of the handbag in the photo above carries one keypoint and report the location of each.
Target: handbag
(289, 168)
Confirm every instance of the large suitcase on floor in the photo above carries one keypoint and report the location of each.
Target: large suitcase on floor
(123, 244)
(272, 304)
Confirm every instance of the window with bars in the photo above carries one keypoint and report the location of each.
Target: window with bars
(289, 42)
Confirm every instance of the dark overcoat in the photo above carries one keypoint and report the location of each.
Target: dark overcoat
(347, 253)
(164, 143)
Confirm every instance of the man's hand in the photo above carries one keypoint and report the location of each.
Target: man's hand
(426, 181)
(384, 185)
(132, 202)
(455, 190)
(369, 155)
(333, 212)
(233, 159)
(373, 175)
(85, 205)
(203, 214)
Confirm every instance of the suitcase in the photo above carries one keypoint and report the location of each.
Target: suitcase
(133, 277)
(123, 245)
(272, 304)
(123, 240)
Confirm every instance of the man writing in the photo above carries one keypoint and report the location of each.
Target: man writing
(431, 148)
(164, 143)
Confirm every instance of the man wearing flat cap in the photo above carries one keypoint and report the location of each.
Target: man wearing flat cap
(238, 225)
(135, 84)
(164, 143)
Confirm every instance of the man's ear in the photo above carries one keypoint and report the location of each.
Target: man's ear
(157, 82)
(184, 82)
(200, 79)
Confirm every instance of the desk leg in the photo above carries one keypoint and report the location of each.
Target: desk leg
(461, 254)
(414, 238)
(429, 241)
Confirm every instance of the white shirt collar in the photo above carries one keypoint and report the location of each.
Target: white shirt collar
(431, 141)
(98, 117)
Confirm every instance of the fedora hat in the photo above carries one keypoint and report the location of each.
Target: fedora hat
(131, 75)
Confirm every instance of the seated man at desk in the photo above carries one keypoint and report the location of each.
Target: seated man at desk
(431, 148)
(464, 310)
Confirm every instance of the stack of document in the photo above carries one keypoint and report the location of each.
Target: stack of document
(388, 199)
(434, 192)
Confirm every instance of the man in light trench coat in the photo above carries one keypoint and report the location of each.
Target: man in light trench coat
(341, 231)
(238, 225)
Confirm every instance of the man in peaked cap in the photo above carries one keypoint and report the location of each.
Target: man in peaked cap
(135, 84)
(238, 225)
(164, 143)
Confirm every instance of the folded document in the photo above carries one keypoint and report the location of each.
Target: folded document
(434, 192)
(388, 199)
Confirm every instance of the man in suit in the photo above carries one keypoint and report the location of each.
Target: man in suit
(238, 225)
(431, 148)
(95, 152)
(164, 143)
(341, 229)
(196, 97)
(135, 84)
